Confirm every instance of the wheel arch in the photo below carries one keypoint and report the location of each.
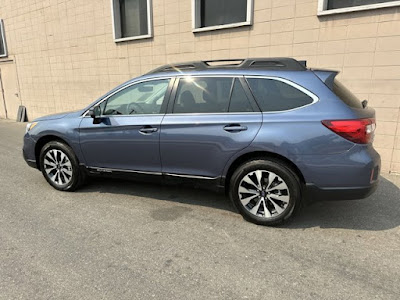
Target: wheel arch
(260, 155)
(43, 141)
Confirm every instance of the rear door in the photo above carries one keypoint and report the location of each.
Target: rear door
(208, 120)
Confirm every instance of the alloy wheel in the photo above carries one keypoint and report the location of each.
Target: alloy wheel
(264, 194)
(58, 167)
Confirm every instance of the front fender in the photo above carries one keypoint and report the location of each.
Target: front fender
(65, 129)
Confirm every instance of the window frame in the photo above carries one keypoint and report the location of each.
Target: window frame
(302, 89)
(173, 96)
(196, 18)
(116, 23)
(323, 5)
(3, 38)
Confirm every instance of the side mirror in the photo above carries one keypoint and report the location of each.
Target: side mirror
(95, 112)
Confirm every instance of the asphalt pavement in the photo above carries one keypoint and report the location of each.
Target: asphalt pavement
(116, 239)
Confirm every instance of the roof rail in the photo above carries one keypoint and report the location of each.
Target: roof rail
(279, 63)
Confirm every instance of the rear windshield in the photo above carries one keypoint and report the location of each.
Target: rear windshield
(345, 95)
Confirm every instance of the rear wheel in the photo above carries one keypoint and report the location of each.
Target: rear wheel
(60, 166)
(265, 192)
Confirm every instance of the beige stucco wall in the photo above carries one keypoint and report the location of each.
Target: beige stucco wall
(66, 56)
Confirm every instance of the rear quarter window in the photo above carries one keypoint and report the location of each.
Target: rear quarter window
(275, 95)
(346, 95)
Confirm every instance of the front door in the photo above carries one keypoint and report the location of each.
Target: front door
(127, 136)
(212, 119)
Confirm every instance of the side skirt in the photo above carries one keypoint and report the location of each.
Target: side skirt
(207, 183)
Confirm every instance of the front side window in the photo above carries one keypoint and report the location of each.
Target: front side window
(214, 14)
(3, 47)
(274, 95)
(141, 98)
(337, 6)
(132, 19)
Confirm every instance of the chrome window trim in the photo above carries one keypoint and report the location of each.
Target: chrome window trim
(291, 83)
(218, 113)
(180, 76)
(122, 88)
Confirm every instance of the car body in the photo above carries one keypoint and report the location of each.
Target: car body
(178, 127)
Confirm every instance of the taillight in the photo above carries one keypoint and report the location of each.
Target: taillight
(359, 131)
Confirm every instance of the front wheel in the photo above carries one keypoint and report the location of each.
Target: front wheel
(60, 166)
(265, 192)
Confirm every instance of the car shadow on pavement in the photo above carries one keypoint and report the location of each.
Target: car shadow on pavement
(380, 211)
(184, 194)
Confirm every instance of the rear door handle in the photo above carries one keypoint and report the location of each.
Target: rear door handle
(148, 129)
(235, 128)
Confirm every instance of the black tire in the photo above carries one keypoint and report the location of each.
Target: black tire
(77, 175)
(274, 215)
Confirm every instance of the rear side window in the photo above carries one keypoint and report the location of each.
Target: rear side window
(203, 95)
(274, 95)
(345, 95)
(211, 95)
(239, 100)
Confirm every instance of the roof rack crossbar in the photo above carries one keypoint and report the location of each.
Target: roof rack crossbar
(289, 64)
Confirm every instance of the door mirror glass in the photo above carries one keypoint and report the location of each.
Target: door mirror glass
(95, 112)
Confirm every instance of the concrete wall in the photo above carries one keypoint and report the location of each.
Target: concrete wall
(66, 57)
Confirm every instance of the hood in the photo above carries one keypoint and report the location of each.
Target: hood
(55, 116)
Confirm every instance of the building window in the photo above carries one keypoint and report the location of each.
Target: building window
(327, 7)
(131, 19)
(3, 45)
(218, 14)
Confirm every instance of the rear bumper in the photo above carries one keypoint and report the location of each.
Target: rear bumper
(314, 193)
(356, 169)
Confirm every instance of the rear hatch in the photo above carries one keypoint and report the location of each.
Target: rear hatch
(360, 129)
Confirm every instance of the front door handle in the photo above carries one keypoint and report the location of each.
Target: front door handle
(235, 128)
(148, 129)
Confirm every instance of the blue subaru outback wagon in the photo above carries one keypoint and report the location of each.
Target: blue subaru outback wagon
(268, 131)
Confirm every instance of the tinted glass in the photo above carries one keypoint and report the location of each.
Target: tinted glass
(203, 95)
(142, 98)
(345, 95)
(133, 17)
(239, 100)
(2, 48)
(274, 95)
(332, 4)
(220, 12)
(2, 52)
